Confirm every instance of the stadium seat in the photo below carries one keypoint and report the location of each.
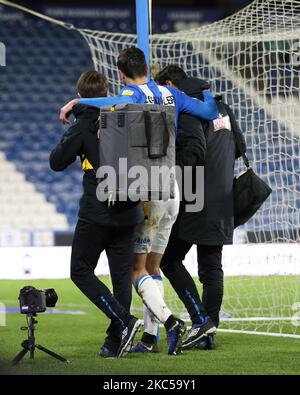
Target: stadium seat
(39, 56)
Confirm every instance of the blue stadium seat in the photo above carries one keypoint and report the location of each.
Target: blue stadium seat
(45, 63)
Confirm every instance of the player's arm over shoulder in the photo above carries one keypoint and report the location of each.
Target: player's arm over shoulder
(206, 109)
(127, 95)
(106, 101)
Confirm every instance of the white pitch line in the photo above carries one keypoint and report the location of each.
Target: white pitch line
(236, 319)
(260, 333)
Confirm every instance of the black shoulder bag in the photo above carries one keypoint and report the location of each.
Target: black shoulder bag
(249, 192)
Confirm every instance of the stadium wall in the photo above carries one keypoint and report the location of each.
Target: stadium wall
(246, 260)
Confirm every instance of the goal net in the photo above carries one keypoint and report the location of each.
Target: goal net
(253, 59)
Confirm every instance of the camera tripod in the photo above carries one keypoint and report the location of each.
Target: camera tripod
(29, 344)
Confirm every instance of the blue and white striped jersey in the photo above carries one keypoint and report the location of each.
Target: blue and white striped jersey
(165, 95)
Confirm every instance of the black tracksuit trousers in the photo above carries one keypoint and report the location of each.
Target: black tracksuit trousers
(210, 275)
(88, 243)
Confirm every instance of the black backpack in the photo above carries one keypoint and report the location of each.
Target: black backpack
(144, 135)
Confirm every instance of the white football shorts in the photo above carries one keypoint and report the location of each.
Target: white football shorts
(152, 235)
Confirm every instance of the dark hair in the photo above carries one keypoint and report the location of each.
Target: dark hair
(132, 62)
(92, 84)
(171, 73)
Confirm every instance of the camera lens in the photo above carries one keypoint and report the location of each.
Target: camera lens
(51, 297)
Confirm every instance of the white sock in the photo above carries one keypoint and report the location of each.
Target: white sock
(149, 291)
(151, 324)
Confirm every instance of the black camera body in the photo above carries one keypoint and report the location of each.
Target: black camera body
(34, 301)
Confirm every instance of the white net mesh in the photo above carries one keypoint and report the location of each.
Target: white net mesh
(253, 59)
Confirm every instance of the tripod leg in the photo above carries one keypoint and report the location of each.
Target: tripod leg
(53, 354)
(18, 357)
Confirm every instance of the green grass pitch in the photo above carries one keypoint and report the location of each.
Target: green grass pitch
(79, 337)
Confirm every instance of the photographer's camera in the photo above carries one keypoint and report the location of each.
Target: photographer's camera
(34, 301)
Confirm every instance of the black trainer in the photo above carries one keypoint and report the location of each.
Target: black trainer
(197, 332)
(206, 343)
(128, 335)
(107, 352)
(109, 348)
